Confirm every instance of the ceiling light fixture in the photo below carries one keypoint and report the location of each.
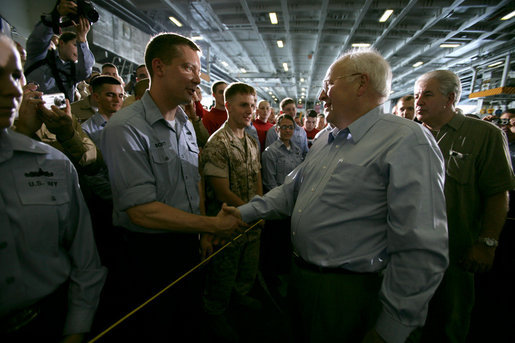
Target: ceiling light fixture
(270, 93)
(449, 45)
(508, 16)
(280, 43)
(243, 70)
(360, 45)
(418, 64)
(301, 79)
(175, 21)
(285, 66)
(494, 64)
(197, 38)
(273, 17)
(225, 64)
(385, 16)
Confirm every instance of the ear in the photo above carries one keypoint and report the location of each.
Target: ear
(158, 67)
(450, 99)
(363, 84)
(95, 96)
(227, 105)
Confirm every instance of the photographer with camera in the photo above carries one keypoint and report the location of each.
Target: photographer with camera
(42, 120)
(59, 71)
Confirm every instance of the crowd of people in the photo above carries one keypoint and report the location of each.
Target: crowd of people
(378, 227)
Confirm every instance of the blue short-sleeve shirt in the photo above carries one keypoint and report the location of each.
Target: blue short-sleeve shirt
(150, 160)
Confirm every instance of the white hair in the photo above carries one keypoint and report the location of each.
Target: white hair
(369, 61)
(448, 81)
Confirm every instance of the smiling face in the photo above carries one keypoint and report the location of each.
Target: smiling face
(290, 109)
(285, 129)
(240, 108)
(11, 83)
(109, 99)
(339, 92)
(179, 79)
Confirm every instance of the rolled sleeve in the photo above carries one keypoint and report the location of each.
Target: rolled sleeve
(132, 180)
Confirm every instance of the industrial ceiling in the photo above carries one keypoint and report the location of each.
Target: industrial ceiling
(290, 58)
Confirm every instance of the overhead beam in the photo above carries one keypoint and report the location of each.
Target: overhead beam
(320, 29)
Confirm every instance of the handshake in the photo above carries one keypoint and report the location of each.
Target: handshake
(227, 225)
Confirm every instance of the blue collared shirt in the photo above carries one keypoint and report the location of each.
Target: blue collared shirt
(278, 161)
(371, 200)
(99, 182)
(299, 138)
(94, 126)
(149, 160)
(45, 232)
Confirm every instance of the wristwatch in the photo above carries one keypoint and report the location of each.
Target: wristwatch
(489, 242)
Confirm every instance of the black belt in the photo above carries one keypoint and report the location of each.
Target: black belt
(303, 264)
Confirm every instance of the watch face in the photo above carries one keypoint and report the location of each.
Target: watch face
(490, 242)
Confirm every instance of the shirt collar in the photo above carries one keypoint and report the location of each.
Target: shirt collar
(98, 120)
(359, 127)
(12, 141)
(456, 121)
(153, 114)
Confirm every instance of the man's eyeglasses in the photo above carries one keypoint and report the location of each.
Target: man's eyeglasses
(286, 127)
(326, 83)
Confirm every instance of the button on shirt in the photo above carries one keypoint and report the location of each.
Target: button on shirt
(45, 232)
(369, 200)
(477, 167)
(149, 160)
(278, 161)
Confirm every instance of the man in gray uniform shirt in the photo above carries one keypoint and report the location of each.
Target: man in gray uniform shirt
(368, 214)
(151, 153)
(50, 272)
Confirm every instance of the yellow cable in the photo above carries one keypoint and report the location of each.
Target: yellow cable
(170, 285)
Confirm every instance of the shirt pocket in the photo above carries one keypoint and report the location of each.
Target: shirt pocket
(162, 155)
(460, 167)
(352, 187)
(44, 209)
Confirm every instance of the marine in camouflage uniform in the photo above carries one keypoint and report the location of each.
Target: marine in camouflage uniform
(227, 156)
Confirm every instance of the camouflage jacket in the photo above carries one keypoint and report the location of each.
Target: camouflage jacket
(225, 156)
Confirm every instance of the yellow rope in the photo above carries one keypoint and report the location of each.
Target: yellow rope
(170, 285)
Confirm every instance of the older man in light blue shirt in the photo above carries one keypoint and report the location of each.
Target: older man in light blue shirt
(368, 214)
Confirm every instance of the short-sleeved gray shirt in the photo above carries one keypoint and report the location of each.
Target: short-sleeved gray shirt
(149, 160)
